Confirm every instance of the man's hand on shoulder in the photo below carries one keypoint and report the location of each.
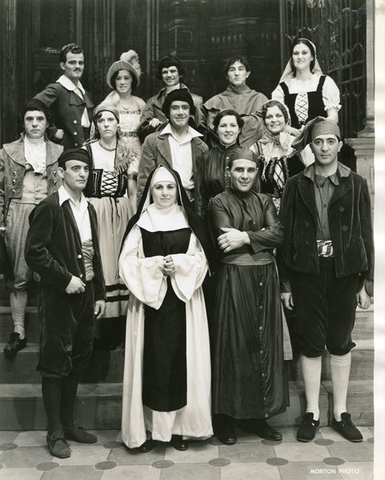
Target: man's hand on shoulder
(75, 286)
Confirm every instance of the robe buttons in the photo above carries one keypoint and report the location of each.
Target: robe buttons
(79, 256)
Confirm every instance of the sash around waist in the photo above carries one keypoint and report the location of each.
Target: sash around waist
(261, 258)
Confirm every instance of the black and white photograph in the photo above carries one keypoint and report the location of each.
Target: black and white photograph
(192, 241)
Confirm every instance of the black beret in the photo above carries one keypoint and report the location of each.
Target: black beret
(74, 154)
(182, 95)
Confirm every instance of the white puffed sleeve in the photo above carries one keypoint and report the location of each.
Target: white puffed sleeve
(190, 270)
(278, 94)
(142, 276)
(331, 94)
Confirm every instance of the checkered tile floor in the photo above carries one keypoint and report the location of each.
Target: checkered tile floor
(25, 456)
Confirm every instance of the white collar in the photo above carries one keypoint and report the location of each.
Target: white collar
(154, 220)
(64, 195)
(191, 132)
(69, 84)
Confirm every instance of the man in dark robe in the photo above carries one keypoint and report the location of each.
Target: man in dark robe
(249, 381)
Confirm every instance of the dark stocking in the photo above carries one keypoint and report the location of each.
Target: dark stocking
(68, 398)
(51, 390)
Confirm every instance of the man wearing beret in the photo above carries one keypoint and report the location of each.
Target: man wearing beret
(68, 101)
(62, 247)
(177, 145)
(170, 71)
(326, 263)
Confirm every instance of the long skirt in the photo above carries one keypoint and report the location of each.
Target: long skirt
(113, 215)
(249, 379)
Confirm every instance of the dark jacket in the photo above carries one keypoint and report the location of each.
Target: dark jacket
(12, 172)
(67, 109)
(153, 109)
(349, 223)
(156, 150)
(54, 249)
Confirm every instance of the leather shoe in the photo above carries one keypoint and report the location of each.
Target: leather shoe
(79, 434)
(224, 429)
(261, 428)
(15, 343)
(147, 446)
(307, 429)
(178, 443)
(347, 428)
(58, 445)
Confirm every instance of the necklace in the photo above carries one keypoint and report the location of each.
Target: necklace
(126, 109)
(106, 148)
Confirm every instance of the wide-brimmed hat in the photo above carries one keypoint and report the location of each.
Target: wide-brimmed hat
(128, 61)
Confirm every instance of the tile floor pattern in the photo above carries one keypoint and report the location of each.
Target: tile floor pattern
(25, 456)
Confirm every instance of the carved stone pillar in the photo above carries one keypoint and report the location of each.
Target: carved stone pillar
(363, 145)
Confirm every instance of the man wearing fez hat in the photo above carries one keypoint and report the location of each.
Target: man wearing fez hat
(170, 71)
(326, 264)
(249, 337)
(62, 247)
(178, 145)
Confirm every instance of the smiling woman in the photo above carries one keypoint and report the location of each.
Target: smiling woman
(211, 177)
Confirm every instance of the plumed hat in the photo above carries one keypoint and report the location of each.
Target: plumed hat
(128, 61)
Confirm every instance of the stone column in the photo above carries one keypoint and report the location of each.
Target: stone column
(363, 145)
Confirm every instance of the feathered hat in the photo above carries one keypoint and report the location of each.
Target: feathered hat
(128, 61)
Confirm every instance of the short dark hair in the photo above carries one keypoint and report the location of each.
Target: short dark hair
(275, 103)
(310, 46)
(33, 105)
(70, 47)
(224, 113)
(167, 62)
(232, 60)
(134, 83)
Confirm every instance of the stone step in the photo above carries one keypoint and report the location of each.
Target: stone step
(31, 322)
(99, 406)
(107, 367)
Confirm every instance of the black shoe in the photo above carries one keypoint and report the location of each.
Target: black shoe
(225, 430)
(307, 429)
(178, 443)
(15, 343)
(79, 434)
(347, 428)
(261, 428)
(58, 445)
(147, 446)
